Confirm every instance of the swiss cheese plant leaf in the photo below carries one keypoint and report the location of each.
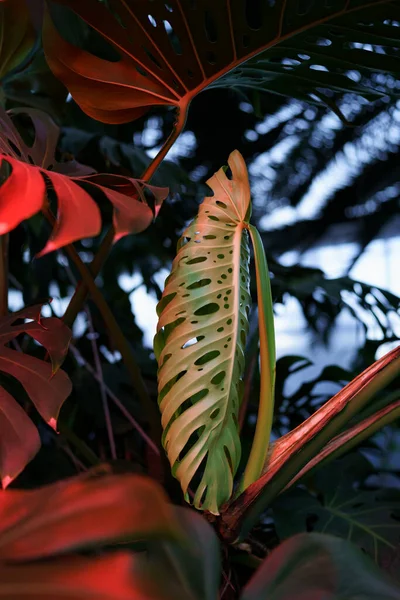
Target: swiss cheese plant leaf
(166, 53)
(338, 505)
(318, 567)
(200, 341)
(45, 384)
(31, 171)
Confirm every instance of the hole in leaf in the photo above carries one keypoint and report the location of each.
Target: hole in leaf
(228, 458)
(220, 329)
(210, 28)
(211, 58)
(207, 357)
(213, 218)
(210, 237)
(254, 13)
(173, 38)
(207, 309)
(164, 302)
(169, 328)
(199, 284)
(152, 58)
(218, 378)
(198, 259)
(220, 256)
(221, 204)
(215, 413)
(169, 385)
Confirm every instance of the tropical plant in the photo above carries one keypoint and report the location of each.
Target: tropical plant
(291, 497)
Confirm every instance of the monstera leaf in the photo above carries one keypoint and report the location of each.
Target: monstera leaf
(168, 52)
(200, 343)
(45, 384)
(33, 169)
(311, 566)
(368, 518)
(200, 340)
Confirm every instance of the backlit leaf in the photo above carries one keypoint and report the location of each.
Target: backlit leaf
(168, 52)
(200, 340)
(34, 169)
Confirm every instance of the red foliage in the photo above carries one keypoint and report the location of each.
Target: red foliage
(45, 384)
(34, 170)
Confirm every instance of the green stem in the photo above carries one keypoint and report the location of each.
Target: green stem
(265, 414)
(81, 292)
(4, 274)
(82, 448)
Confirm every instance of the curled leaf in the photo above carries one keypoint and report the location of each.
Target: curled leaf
(200, 341)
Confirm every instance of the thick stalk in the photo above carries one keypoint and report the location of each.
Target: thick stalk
(3, 275)
(81, 292)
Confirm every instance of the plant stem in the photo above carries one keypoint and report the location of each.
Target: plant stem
(82, 448)
(103, 394)
(115, 399)
(4, 274)
(81, 292)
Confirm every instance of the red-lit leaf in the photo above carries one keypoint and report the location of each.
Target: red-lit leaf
(19, 439)
(83, 513)
(171, 51)
(35, 168)
(46, 386)
(112, 577)
(311, 566)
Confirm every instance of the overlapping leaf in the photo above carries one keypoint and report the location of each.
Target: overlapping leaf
(318, 567)
(34, 169)
(45, 384)
(169, 52)
(42, 530)
(370, 519)
(200, 341)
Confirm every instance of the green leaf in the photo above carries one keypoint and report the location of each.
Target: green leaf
(200, 341)
(193, 563)
(340, 56)
(367, 518)
(265, 414)
(319, 567)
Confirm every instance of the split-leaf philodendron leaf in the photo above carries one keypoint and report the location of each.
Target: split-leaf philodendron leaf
(200, 341)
